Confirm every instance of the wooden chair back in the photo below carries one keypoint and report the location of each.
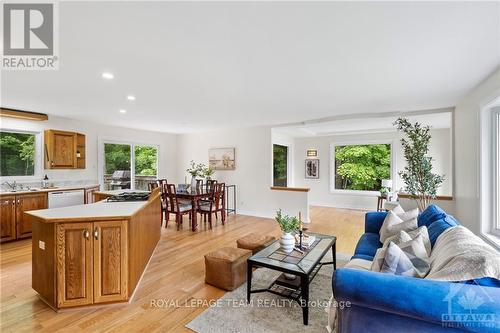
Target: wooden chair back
(210, 184)
(171, 198)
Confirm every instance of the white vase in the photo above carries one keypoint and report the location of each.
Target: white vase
(193, 183)
(287, 242)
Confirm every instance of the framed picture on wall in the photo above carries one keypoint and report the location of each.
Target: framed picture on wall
(312, 168)
(222, 158)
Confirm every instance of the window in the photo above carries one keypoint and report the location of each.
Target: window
(146, 159)
(496, 167)
(17, 154)
(129, 166)
(361, 167)
(280, 165)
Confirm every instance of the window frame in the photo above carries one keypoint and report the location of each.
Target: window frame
(495, 224)
(331, 159)
(102, 160)
(37, 159)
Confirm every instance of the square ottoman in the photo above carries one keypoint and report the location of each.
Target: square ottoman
(226, 268)
(254, 242)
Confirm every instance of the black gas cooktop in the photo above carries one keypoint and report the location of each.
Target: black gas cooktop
(129, 196)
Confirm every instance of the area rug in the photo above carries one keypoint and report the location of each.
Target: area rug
(268, 312)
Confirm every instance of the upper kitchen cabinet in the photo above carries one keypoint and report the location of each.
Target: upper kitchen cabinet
(64, 150)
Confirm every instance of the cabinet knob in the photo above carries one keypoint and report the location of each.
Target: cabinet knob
(96, 233)
(86, 234)
(18, 202)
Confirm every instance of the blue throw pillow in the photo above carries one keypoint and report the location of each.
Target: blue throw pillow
(431, 214)
(436, 228)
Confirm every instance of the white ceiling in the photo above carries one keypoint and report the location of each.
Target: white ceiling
(362, 125)
(201, 66)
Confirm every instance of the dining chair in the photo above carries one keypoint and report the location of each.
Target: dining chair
(209, 184)
(215, 204)
(174, 206)
(159, 183)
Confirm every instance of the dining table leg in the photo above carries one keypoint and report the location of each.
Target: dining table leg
(194, 219)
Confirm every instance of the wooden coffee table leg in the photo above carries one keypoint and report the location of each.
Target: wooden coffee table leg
(304, 286)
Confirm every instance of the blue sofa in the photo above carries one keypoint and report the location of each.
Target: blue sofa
(381, 302)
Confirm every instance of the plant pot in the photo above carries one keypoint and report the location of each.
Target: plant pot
(287, 242)
(193, 183)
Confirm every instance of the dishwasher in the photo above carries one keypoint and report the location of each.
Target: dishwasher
(66, 198)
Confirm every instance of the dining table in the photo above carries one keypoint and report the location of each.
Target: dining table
(194, 195)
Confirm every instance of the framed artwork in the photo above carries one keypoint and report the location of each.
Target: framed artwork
(312, 168)
(222, 158)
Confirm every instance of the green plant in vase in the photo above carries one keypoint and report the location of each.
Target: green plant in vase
(288, 224)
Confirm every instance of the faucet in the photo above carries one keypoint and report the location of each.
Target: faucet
(13, 185)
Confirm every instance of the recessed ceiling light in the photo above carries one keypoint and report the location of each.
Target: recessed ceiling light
(122, 111)
(131, 98)
(107, 76)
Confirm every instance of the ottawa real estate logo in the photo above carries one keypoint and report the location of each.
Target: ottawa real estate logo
(30, 36)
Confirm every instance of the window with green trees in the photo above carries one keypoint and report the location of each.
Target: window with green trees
(17, 154)
(119, 157)
(280, 165)
(362, 167)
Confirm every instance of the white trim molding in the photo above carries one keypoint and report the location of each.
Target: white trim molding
(489, 162)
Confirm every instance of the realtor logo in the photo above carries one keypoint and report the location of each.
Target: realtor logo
(29, 38)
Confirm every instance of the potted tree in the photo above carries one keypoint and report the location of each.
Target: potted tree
(421, 183)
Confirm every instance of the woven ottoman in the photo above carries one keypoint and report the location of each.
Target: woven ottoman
(254, 242)
(226, 268)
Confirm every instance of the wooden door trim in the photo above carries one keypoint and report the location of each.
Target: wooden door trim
(122, 296)
(61, 262)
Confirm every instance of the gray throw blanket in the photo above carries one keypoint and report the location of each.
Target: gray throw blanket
(459, 255)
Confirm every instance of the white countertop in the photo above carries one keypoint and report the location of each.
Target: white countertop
(97, 211)
(50, 189)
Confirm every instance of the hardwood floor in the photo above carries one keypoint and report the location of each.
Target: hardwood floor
(175, 274)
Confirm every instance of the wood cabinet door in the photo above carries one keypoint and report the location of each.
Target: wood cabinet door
(25, 203)
(61, 149)
(7, 218)
(110, 261)
(74, 264)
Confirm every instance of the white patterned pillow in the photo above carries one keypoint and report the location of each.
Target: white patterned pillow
(425, 237)
(393, 224)
(408, 259)
(396, 262)
(380, 254)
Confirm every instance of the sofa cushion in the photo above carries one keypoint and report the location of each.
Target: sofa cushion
(431, 214)
(368, 245)
(438, 227)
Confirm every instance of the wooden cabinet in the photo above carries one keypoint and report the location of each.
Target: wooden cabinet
(89, 194)
(25, 203)
(74, 264)
(110, 261)
(91, 263)
(14, 224)
(8, 218)
(64, 150)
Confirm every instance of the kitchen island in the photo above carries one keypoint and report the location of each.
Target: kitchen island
(93, 254)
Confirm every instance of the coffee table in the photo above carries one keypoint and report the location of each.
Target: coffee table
(304, 266)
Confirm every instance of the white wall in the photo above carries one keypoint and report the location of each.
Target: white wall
(320, 188)
(253, 173)
(92, 131)
(467, 157)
